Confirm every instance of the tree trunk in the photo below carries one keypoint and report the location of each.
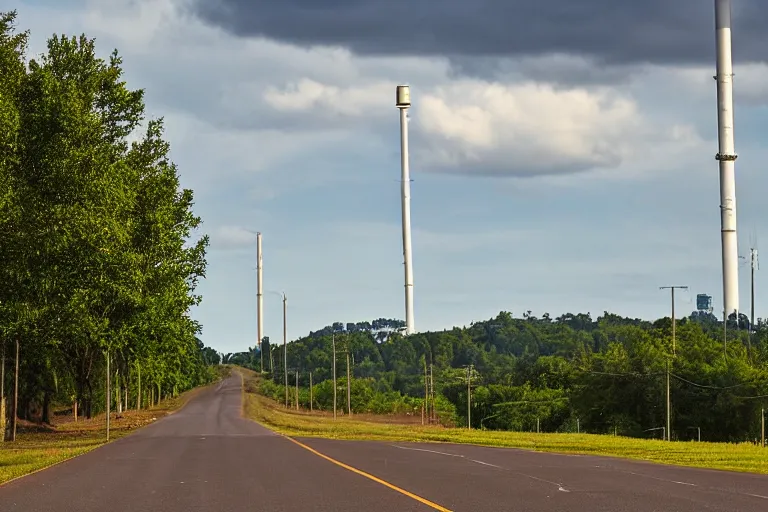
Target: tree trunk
(46, 416)
(3, 429)
(15, 393)
(118, 402)
(88, 401)
(3, 411)
(74, 409)
(138, 394)
(108, 398)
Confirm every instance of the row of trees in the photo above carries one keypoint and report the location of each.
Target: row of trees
(604, 375)
(96, 259)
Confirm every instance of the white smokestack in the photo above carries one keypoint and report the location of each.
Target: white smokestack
(727, 157)
(403, 102)
(260, 295)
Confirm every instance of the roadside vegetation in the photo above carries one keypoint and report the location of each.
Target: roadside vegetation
(100, 253)
(568, 374)
(745, 457)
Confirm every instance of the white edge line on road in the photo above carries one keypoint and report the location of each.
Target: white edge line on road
(428, 451)
(559, 485)
(486, 463)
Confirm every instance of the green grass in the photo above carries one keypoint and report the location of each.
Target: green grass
(39, 448)
(735, 457)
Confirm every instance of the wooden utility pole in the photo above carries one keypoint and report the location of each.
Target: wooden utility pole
(669, 407)
(311, 396)
(260, 299)
(432, 394)
(426, 390)
(469, 397)
(762, 427)
(333, 343)
(674, 353)
(754, 265)
(285, 347)
(673, 288)
(349, 385)
(297, 390)
(15, 394)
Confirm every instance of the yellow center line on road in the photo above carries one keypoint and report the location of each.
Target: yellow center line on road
(425, 501)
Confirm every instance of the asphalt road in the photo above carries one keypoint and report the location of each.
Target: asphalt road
(207, 458)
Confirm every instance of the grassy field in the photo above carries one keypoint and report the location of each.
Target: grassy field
(734, 457)
(39, 447)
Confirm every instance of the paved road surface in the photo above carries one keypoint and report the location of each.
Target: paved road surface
(207, 458)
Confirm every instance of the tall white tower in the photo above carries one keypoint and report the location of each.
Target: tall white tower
(727, 157)
(403, 102)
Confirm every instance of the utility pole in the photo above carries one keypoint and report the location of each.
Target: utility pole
(349, 384)
(762, 428)
(674, 353)
(297, 390)
(426, 390)
(285, 347)
(310, 392)
(260, 299)
(403, 102)
(669, 407)
(333, 343)
(469, 397)
(432, 394)
(673, 288)
(755, 266)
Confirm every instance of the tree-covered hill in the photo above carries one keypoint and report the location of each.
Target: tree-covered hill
(606, 375)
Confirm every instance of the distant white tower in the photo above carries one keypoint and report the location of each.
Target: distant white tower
(403, 102)
(727, 157)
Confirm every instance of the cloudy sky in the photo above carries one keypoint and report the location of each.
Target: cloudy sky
(562, 152)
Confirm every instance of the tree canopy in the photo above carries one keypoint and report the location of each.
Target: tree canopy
(99, 251)
(607, 374)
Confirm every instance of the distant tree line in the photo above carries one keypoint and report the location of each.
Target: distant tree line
(97, 260)
(607, 374)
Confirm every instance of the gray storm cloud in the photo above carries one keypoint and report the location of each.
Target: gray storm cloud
(609, 31)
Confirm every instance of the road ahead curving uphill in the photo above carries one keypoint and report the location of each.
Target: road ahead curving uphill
(208, 458)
